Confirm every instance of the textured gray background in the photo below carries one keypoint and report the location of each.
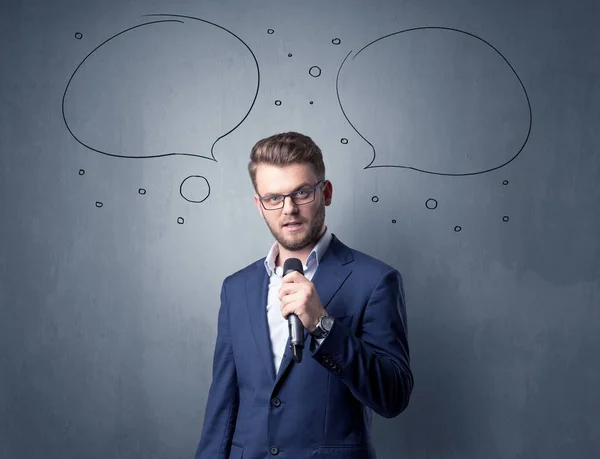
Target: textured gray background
(108, 314)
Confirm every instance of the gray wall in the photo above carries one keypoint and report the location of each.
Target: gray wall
(124, 204)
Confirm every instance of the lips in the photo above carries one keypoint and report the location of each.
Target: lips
(292, 224)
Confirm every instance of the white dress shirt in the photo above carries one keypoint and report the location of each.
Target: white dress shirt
(278, 326)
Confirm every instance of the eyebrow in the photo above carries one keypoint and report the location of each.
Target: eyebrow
(302, 185)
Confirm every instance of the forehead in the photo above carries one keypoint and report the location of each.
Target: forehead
(272, 179)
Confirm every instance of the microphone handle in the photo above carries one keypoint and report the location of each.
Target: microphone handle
(296, 336)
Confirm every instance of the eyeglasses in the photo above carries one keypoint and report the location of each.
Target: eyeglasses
(300, 197)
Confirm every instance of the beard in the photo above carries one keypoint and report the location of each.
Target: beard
(299, 242)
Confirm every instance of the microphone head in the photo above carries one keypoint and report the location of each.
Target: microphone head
(292, 264)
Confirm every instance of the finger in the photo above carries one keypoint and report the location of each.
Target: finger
(293, 277)
(287, 300)
(288, 289)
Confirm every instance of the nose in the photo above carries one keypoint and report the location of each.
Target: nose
(289, 206)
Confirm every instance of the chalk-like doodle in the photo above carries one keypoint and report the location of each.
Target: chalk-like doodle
(445, 102)
(156, 89)
(431, 204)
(314, 71)
(195, 189)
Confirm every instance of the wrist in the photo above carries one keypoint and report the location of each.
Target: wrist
(323, 326)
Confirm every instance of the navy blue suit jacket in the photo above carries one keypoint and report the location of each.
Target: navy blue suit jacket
(320, 407)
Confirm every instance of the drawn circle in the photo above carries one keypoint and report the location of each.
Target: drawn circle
(180, 220)
(197, 189)
(505, 218)
(457, 228)
(278, 102)
(81, 172)
(393, 221)
(311, 102)
(289, 54)
(505, 182)
(431, 203)
(344, 140)
(375, 199)
(142, 191)
(315, 71)
(270, 31)
(99, 204)
(78, 35)
(336, 41)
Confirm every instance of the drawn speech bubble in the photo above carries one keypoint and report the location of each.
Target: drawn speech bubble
(435, 100)
(173, 85)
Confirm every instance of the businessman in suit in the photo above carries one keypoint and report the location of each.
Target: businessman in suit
(261, 402)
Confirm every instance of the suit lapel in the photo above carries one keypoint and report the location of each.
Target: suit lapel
(333, 270)
(256, 296)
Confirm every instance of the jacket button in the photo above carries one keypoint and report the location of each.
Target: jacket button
(275, 402)
(274, 450)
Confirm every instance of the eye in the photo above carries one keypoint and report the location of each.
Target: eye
(302, 193)
(274, 198)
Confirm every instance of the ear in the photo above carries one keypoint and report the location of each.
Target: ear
(259, 206)
(327, 192)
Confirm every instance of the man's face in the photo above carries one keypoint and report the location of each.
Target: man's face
(295, 227)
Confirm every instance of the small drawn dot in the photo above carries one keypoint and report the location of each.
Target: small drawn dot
(278, 103)
(81, 172)
(99, 204)
(431, 203)
(505, 218)
(336, 41)
(457, 228)
(393, 221)
(375, 199)
(344, 140)
(505, 182)
(315, 71)
(289, 54)
(79, 35)
(311, 102)
(180, 220)
(141, 191)
(270, 31)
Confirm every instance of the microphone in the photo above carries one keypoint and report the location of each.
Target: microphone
(295, 325)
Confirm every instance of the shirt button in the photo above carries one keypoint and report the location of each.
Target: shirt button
(275, 402)
(274, 450)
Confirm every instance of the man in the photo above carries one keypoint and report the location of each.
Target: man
(261, 403)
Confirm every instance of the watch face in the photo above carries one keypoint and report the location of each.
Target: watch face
(327, 322)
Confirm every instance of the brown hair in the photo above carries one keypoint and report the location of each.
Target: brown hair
(284, 149)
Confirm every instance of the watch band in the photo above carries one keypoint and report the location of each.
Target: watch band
(320, 331)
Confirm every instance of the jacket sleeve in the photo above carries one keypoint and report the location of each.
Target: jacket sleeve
(223, 397)
(375, 363)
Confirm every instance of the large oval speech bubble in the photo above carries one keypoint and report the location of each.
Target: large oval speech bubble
(435, 100)
(171, 86)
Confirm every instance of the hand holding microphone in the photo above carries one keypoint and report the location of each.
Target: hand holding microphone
(300, 303)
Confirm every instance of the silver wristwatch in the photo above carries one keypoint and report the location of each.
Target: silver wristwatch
(323, 327)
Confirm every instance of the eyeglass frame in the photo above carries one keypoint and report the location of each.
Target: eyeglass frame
(291, 196)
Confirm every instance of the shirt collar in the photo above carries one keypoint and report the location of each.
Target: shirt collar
(314, 257)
